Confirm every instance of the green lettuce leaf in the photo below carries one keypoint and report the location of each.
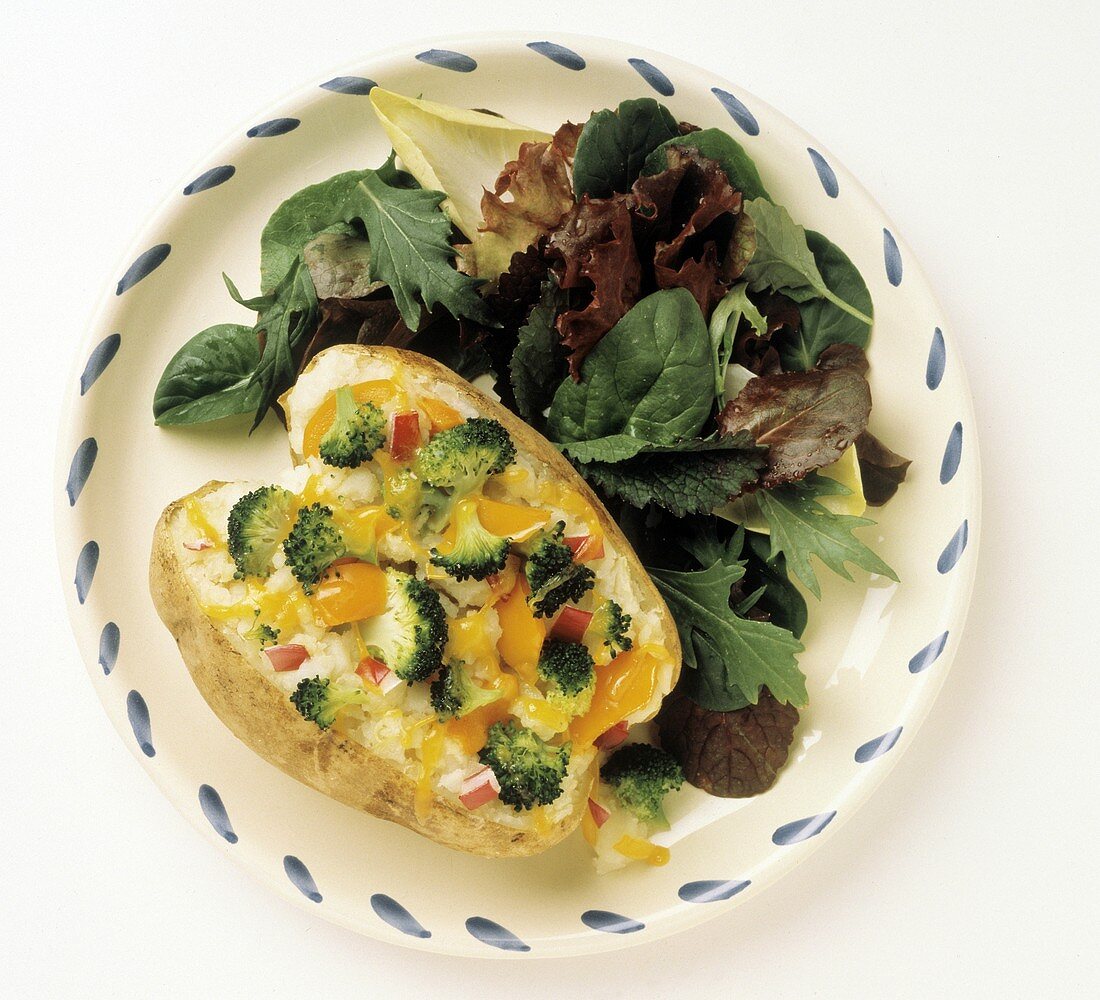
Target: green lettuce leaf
(823, 323)
(802, 528)
(724, 322)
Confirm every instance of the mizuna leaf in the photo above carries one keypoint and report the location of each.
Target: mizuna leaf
(802, 528)
(286, 316)
(741, 656)
(410, 251)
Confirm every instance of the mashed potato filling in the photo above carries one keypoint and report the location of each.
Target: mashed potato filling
(490, 627)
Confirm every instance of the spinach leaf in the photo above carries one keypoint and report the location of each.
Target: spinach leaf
(732, 656)
(650, 377)
(801, 527)
(692, 477)
(209, 377)
(287, 316)
(315, 209)
(823, 323)
(716, 145)
(784, 261)
(339, 265)
(410, 250)
(613, 146)
(538, 361)
(724, 322)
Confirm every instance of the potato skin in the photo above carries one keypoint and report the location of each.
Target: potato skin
(263, 718)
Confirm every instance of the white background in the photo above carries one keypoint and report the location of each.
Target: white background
(972, 872)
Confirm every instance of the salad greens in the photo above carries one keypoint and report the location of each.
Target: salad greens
(637, 295)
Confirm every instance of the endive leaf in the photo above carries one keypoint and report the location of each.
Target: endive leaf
(453, 150)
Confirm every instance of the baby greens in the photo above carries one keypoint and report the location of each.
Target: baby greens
(684, 341)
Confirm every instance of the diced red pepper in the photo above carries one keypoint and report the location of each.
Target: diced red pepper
(377, 673)
(404, 435)
(614, 736)
(599, 813)
(571, 624)
(199, 545)
(585, 547)
(287, 657)
(478, 788)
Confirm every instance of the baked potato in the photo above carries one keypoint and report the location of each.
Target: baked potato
(429, 617)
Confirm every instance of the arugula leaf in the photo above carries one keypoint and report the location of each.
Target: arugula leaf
(538, 361)
(822, 322)
(339, 265)
(650, 377)
(724, 322)
(716, 145)
(315, 209)
(287, 315)
(732, 657)
(801, 527)
(209, 377)
(784, 261)
(692, 477)
(614, 145)
(410, 250)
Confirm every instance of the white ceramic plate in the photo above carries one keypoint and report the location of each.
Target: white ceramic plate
(876, 653)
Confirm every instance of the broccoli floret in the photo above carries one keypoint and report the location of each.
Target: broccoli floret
(258, 522)
(609, 626)
(553, 576)
(313, 544)
(318, 701)
(570, 675)
(410, 635)
(477, 553)
(457, 462)
(454, 693)
(266, 635)
(529, 770)
(357, 432)
(642, 775)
